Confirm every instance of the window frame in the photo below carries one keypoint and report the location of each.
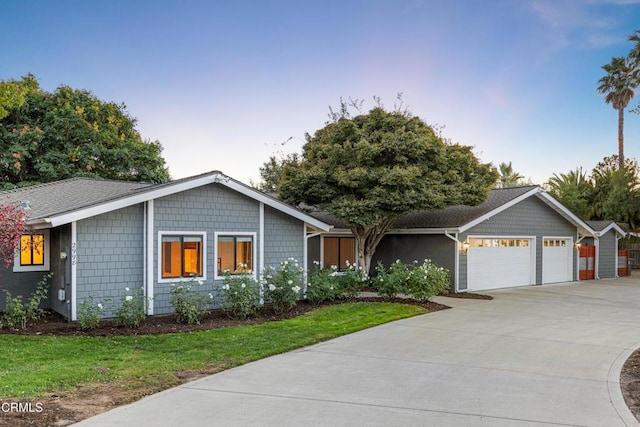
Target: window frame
(355, 251)
(254, 245)
(182, 234)
(45, 266)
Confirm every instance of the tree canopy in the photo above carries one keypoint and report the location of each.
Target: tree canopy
(373, 168)
(51, 136)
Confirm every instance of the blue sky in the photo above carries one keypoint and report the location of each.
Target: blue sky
(223, 84)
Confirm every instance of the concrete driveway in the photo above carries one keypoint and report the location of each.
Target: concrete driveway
(543, 355)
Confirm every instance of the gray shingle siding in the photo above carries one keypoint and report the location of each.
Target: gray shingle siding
(284, 238)
(607, 254)
(530, 217)
(208, 209)
(110, 256)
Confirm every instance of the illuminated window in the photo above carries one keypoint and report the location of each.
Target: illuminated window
(339, 251)
(32, 254)
(235, 254)
(181, 256)
(32, 249)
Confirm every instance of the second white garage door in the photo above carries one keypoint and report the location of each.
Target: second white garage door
(500, 262)
(557, 260)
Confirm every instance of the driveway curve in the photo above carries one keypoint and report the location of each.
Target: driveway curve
(534, 356)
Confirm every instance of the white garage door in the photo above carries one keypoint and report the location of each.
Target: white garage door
(499, 262)
(557, 260)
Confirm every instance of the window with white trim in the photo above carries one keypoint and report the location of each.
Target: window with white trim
(182, 255)
(235, 253)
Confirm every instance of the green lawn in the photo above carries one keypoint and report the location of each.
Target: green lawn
(32, 366)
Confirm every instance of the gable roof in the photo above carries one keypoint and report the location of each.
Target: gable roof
(462, 218)
(69, 200)
(602, 227)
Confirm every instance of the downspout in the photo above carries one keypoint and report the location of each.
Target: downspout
(456, 262)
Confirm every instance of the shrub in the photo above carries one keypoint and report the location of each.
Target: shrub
(419, 281)
(392, 281)
(18, 313)
(427, 280)
(89, 313)
(241, 294)
(351, 281)
(131, 311)
(323, 286)
(189, 304)
(282, 285)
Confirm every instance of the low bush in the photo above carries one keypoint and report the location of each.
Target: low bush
(282, 285)
(418, 281)
(241, 294)
(323, 286)
(17, 312)
(89, 314)
(131, 310)
(189, 304)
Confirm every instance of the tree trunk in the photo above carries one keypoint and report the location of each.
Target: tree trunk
(367, 240)
(621, 137)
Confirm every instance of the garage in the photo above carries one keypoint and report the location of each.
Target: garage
(500, 262)
(557, 257)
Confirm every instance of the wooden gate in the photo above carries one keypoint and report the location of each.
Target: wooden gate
(623, 263)
(587, 262)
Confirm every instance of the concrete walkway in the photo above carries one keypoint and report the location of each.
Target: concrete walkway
(543, 355)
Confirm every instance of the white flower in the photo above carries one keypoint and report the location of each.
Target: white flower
(296, 289)
(334, 267)
(128, 298)
(126, 289)
(243, 286)
(290, 282)
(210, 295)
(200, 282)
(100, 306)
(272, 288)
(225, 287)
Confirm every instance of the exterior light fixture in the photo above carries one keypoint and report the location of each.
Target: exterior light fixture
(465, 247)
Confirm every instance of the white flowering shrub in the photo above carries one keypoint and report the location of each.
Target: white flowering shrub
(131, 310)
(89, 313)
(282, 285)
(351, 281)
(323, 286)
(241, 294)
(189, 302)
(427, 280)
(419, 281)
(389, 282)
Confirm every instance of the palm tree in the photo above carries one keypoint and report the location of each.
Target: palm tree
(574, 190)
(508, 177)
(618, 86)
(634, 59)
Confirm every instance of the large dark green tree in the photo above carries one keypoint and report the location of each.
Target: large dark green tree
(373, 168)
(615, 191)
(50, 136)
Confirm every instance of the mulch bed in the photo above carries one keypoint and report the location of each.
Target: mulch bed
(65, 408)
(467, 295)
(630, 383)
